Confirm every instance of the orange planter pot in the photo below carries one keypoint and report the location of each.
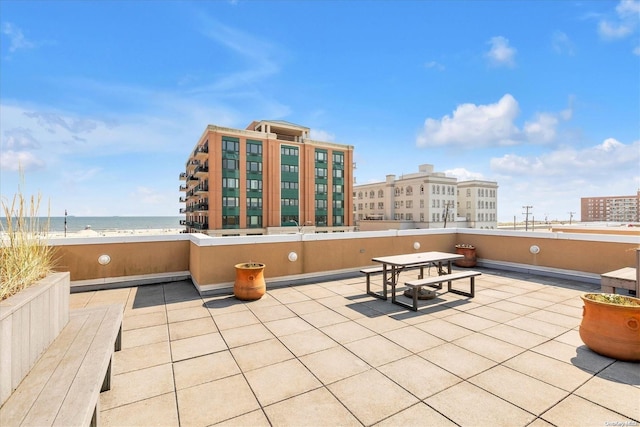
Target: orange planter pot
(249, 284)
(469, 253)
(611, 330)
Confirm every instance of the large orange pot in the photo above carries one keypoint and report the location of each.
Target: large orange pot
(249, 284)
(469, 253)
(612, 330)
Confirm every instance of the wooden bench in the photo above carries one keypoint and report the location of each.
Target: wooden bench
(63, 388)
(436, 282)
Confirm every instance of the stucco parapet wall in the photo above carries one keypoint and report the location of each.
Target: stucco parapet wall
(245, 132)
(101, 240)
(204, 240)
(611, 238)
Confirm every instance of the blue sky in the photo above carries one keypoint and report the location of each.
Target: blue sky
(102, 101)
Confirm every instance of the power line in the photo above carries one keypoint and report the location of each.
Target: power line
(526, 218)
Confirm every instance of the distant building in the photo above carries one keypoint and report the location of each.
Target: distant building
(268, 178)
(610, 208)
(426, 199)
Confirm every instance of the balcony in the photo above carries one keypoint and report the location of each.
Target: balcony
(183, 188)
(201, 225)
(201, 153)
(182, 200)
(201, 171)
(201, 207)
(201, 189)
(191, 179)
(513, 350)
(183, 176)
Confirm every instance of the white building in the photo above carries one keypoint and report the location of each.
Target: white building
(425, 199)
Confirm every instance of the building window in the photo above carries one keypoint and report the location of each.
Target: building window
(322, 188)
(230, 202)
(337, 220)
(230, 164)
(337, 204)
(230, 220)
(229, 144)
(254, 167)
(337, 173)
(254, 185)
(372, 194)
(254, 148)
(409, 191)
(289, 202)
(338, 158)
(289, 151)
(321, 173)
(337, 188)
(254, 202)
(321, 204)
(380, 193)
(254, 221)
(287, 185)
(230, 183)
(321, 157)
(289, 168)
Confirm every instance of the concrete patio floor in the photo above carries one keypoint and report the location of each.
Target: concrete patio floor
(327, 354)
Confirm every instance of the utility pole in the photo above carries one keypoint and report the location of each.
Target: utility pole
(526, 218)
(446, 213)
(571, 217)
(65, 223)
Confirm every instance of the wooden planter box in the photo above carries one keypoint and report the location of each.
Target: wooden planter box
(29, 322)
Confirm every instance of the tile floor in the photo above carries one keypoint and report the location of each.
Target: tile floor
(327, 354)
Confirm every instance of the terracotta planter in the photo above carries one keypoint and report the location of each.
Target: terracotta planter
(469, 253)
(249, 284)
(611, 330)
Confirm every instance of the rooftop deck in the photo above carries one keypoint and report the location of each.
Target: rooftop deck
(328, 354)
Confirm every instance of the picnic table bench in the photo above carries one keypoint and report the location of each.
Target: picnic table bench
(63, 388)
(436, 282)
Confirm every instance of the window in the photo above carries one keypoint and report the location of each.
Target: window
(338, 158)
(409, 191)
(372, 194)
(337, 220)
(321, 156)
(337, 173)
(337, 204)
(254, 221)
(230, 220)
(321, 204)
(230, 183)
(230, 164)
(254, 148)
(397, 192)
(380, 205)
(254, 202)
(230, 202)
(409, 204)
(422, 189)
(229, 144)
(289, 151)
(360, 195)
(288, 202)
(321, 173)
(468, 192)
(287, 185)
(289, 168)
(380, 193)
(254, 185)
(337, 188)
(254, 167)
(371, 205)
(322, 188)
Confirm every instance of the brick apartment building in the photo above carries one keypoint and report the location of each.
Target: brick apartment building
(610, 208)
(264, 178)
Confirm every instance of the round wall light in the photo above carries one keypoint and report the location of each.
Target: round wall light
(104, 259)
(416, 245)
(534, 249)
(293, 257)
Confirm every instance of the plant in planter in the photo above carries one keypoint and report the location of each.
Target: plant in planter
(249, 284)
(34, 302)
(611, 325)
(469, 252)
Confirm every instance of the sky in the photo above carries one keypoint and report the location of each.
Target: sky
(101, 102)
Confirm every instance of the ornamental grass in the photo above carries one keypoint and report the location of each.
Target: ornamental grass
(25, 256)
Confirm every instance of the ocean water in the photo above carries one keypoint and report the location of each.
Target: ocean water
(108, 223)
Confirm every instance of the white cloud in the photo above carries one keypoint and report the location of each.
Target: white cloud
(474, 125)
(500, 53)
(562, 44)
(608, 158)
(321, 135)
(463, 174)
(16, 37)
(148, 195)
(625, 22)
(14, 161)
(434, 65)
(636, 50)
